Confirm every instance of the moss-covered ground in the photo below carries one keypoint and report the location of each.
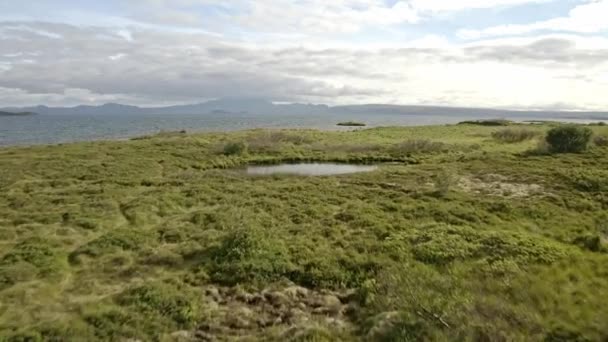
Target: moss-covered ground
(458, 236)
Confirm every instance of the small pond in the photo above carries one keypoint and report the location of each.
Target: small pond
(309, 169)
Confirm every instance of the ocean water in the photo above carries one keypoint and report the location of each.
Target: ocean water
(53, 129)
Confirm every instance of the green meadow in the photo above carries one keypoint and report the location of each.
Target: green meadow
(464, 233)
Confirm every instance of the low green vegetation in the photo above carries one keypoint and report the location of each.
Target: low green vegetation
(462, 234)
(515, 135)
(351, 124)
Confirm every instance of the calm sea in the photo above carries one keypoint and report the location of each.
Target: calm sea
(51, 129)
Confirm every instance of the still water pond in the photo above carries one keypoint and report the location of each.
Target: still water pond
(309, 169)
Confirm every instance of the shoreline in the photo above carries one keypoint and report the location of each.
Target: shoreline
(328, 128)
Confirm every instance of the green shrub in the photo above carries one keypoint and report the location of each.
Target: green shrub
(249, 254)
(514, 135)
(444, 249)
(312, 334)
(29, 336)
(569, 139)
(54, 330)
(324, 272)
(29, 259)
(235, 148)
(166, 300)
(274, 141)
(521, 248)
(443, 244)
(406, 329)
(418, 145)
(599, 123)
(120, 240)
(592, 243)
(33, 251)
(412, 290)
(562, 334)
(112, 324)
(589, 180)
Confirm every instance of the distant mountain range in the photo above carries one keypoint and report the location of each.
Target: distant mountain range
(262, 107)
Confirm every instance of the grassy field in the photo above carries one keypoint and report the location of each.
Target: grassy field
(463, 233)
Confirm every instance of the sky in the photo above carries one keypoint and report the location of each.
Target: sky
(516, 54)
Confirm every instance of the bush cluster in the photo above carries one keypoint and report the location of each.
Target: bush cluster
(569, 139)
(235, 148)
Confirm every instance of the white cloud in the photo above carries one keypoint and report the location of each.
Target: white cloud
(587, 18)
(340, 51)
(117, 56)
(307, 16)
(158, 67)
(319, 16)
(459, 5)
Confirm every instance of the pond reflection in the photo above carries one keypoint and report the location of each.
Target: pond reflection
(309, 169)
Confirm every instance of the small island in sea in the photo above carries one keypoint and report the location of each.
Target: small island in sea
(351, 124)
(16, 114)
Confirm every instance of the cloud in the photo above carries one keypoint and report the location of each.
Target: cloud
(302, 16)
(152, 67)
(556, 51)
(460, 5)
(587, 18)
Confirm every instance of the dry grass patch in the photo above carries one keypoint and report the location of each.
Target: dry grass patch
(498, 185)
(601, 140)
(419, 145)
(514, 135)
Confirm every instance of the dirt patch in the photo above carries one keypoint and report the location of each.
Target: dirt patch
(498, 185)
(285, 313)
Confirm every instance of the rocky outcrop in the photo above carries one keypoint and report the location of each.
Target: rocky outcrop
(282, 313)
